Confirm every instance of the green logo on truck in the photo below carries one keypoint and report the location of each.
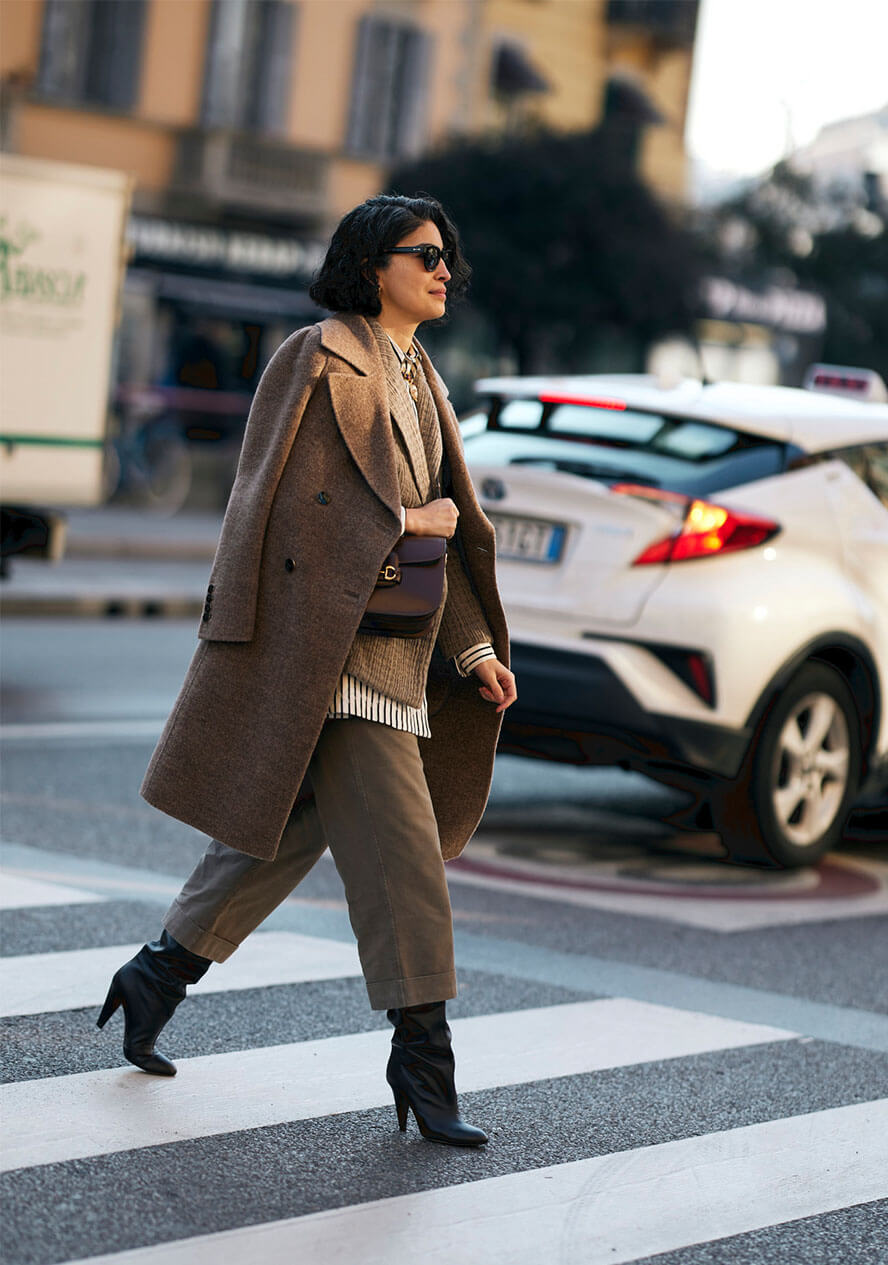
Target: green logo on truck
(21, 279)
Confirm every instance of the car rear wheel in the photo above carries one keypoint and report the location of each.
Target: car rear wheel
(790, 803)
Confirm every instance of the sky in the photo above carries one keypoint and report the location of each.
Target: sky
(769, 73)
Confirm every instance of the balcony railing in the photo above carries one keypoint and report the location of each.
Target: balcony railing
(250, 170)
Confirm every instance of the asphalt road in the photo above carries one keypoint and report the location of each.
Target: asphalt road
(677, 1060)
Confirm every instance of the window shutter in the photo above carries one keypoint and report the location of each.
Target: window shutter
(223, 73)
(370, 121)
(389, 89)
(410, 136)
(267, 88)
(63, 48)
(91, 50)
(115, 52)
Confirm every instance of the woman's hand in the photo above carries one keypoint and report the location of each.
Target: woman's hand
(499, 683)
(438, 518)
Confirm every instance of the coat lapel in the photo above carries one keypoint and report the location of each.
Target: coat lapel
(362, 415)
(471, 516)
(361, 405)
(364, 403)
(405, 420)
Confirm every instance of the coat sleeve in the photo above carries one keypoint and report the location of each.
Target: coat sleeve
(276, 410)
(463, 623)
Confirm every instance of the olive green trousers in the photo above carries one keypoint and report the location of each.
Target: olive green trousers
(371, 807)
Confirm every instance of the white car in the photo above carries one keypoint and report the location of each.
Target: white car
(696, 583)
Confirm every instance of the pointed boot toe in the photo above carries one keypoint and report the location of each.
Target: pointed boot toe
(151, 1061)
(451, 1131)
(459, 1134)
(149, 988)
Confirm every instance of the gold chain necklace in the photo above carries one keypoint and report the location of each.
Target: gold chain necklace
(408, 370)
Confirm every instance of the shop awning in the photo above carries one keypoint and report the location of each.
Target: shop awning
(236, 299)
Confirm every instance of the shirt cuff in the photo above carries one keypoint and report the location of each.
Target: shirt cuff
(467, 660)
(403, 520)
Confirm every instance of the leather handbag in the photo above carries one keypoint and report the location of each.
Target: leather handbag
(409, 588)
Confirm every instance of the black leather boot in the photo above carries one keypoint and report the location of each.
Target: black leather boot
(150, 987)
(420, 1073)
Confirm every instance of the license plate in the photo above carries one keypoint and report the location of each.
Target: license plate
(528, 539)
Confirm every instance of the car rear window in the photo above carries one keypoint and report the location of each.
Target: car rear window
(870, 463)
(619, 445)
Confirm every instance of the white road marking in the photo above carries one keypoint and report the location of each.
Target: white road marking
(20, 891)
(743, 912)
(39, 982)
(82, 729)
(611, 1208)
(95, 1113)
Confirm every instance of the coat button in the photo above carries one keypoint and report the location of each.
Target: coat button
(289, 565)
(324, 498)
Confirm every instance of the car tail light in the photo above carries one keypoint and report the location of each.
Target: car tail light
(588, 401)
(706, 528)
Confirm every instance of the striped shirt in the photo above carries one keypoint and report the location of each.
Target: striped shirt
(354, 697)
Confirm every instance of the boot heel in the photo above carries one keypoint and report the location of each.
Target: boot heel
(402, 1106)
(420, 1075)
(112, 1001)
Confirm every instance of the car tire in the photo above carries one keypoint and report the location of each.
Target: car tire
(789, 805)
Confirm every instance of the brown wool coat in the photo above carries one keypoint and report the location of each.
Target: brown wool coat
(314, 510)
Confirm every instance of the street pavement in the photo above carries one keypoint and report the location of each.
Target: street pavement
(118, 562)
(676, 1060)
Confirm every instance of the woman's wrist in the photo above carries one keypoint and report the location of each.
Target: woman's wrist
(410, 522)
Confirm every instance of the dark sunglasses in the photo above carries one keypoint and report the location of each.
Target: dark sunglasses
(430, 255)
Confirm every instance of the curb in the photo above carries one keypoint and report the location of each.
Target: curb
(102, 607)
(145, 550)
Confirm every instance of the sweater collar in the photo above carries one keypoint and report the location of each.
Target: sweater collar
(349, 335)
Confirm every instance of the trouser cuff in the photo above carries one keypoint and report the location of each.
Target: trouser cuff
(204, 943)
(395, 993)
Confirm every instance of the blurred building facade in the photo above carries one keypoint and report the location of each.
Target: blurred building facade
(850, 157)
(251, 126)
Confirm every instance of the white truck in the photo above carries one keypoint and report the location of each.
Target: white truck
(62, 262)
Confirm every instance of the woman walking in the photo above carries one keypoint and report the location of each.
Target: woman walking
(299, 727)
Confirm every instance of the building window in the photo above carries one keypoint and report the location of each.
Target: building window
(248, 66)
(389, 90)
(673, 21)
(91, 51)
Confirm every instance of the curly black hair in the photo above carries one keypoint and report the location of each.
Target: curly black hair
(358, 247)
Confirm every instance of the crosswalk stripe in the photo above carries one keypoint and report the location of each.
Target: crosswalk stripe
(615, 1208)
(38, 982)
(18, 891)
(96, 1113)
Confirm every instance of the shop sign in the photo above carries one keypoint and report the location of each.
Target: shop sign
(778, 307)
(175, 241)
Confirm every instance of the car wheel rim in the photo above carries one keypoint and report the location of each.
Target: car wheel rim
(811, 769)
